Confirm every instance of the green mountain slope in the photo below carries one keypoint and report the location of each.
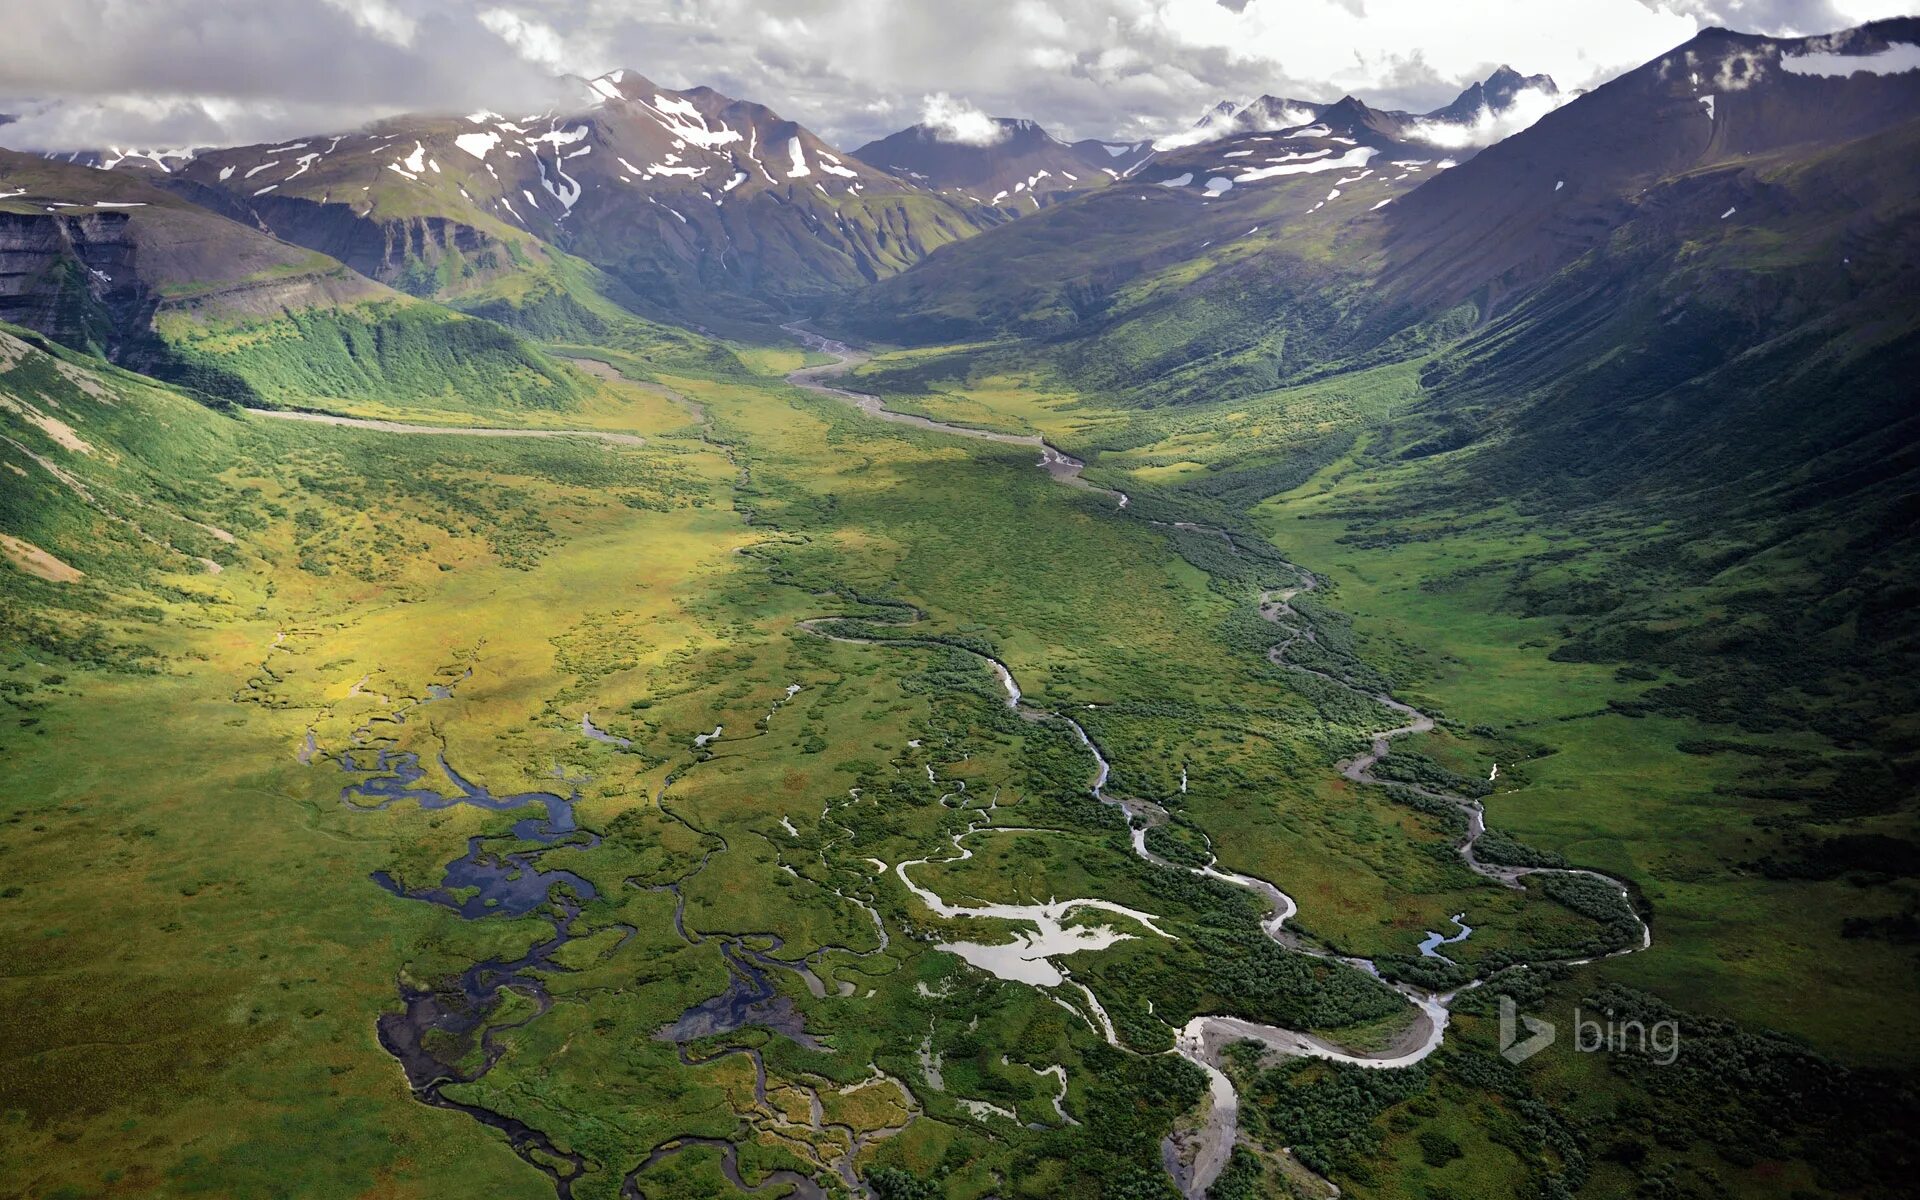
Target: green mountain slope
(697, 207)
(1753, 389)
(104, 492)
(1282, 278)
(108, 263)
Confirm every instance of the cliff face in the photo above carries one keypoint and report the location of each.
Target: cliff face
(423, 255)
(74, 278)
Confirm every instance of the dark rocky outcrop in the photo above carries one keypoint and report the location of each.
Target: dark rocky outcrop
(74, 278)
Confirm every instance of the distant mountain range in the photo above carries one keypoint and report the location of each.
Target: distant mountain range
(645, 208)
(1686, 298)
(1479, 115)
(691, 205)
(1024, 167)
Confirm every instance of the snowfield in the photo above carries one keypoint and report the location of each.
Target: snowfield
(1359, 156)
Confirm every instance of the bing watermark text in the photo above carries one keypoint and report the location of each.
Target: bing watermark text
(1523, 1035)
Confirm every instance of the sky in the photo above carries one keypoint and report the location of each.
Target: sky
(149, 73)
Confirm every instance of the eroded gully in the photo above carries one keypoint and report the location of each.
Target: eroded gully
(1195, 1158)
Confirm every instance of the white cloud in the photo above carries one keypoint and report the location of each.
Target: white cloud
(1788, 18)
(849, 69)
(1858, 12)
(92, 73)
(147, 121)
(957, 121)
(536, 41)
(1528, 105)
(381, 19)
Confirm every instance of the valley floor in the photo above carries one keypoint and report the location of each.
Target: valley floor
(497, 818)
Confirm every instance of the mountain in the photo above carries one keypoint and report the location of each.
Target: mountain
(1227, 119)
(645, 206)
(1682, 143)
(691, 202)
(1228, 205)
(1685, 298)
(99, 462)
(108, 263)
(1497, 95)
(1503, 98)
(1231, 249)
(1018, 171)
(632, 777)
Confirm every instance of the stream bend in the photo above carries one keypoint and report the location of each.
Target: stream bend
(1196, 1160)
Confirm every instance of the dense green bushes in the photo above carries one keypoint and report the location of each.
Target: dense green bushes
(385, 353)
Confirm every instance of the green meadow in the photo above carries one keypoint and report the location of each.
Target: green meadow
(204, 960)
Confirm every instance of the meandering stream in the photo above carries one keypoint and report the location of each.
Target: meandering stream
(487, 882)
(1197, 1160)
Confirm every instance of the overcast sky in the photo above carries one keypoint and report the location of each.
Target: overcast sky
(197, 72)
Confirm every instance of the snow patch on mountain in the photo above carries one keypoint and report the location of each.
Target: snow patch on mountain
(560, 185)
(1359, 156)
(685, 122)
(556, 137)
(832, 166)
(158, 158)
(1302, 156)
(1894, 59)
(477, 144)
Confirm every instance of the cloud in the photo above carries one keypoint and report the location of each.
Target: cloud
(92, 73)
(1122, 69)
(1527, 106)
(1786, 18)
(381, 19)
(147, 122)
(536, 41)
(186, 70)
(957, 121)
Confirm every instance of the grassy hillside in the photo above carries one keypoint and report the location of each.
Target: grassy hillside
(397, 353)
(116, 266)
